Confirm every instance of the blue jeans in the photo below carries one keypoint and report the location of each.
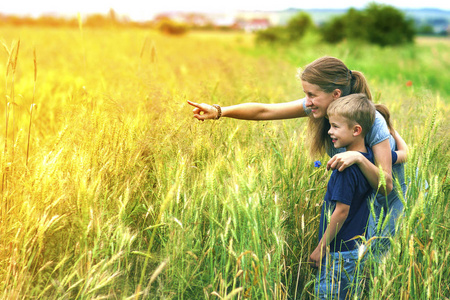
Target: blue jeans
(392, 208)
(336, 276)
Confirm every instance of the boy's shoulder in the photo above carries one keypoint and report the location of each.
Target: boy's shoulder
(349, 184)
(354, 169)
(369, 154)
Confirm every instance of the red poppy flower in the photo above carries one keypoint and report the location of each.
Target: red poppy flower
(409, 83)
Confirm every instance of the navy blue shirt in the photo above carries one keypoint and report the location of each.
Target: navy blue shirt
(352, 188)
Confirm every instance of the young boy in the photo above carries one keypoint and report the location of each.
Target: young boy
(345, 210)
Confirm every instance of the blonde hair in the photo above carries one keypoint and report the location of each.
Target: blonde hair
(356, 109)
(330, 73)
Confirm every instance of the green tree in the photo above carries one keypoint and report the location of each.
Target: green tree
(298, 25)
(275, 34)
(294, 30)
(388, 26)
(356, 23)
(333, 31)
(377, 24)
(425, 29)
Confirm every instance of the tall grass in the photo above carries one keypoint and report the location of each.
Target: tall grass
(118, 193)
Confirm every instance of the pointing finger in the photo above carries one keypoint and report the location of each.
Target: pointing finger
(193, 103)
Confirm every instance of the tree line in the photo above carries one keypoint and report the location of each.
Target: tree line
(379, 24)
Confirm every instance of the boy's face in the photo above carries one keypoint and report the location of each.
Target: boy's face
(317, 99)
(340, 132)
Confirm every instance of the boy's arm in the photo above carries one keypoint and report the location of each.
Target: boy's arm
(402, 148)
(383, 159)
(337, 220)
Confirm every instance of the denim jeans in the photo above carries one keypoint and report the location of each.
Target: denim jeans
(392, 208)
(337, 277)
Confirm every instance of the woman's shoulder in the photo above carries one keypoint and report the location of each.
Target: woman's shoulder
(379, 119)
(379, 131)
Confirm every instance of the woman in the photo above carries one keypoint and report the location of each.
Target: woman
(323, 81)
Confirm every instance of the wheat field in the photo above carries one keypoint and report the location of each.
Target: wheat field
(111, 190)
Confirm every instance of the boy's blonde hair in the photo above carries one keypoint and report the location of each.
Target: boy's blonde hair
(356, 108)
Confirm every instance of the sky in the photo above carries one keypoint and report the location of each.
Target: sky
(146, 9)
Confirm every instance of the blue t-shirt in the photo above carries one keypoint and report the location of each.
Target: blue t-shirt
(352, 188)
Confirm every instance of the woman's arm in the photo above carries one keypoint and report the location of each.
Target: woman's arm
(383, 159)
(251, 111)
(337, 219)
(402, 148)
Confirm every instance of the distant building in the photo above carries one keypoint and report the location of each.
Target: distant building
(247, 21)
(259, 17)
(252, 25)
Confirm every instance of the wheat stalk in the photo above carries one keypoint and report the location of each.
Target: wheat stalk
(32, 105)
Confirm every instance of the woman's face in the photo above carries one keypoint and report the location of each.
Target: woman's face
(318, 100)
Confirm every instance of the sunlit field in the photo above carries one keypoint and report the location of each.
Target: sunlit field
(112, 190)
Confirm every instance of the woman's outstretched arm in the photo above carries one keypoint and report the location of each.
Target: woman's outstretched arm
(251, 111)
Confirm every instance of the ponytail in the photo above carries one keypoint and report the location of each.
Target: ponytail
(359, 84)
(384, 111)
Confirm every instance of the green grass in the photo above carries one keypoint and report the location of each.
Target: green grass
(125, 195)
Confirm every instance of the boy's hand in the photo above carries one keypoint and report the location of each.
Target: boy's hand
(316, 257)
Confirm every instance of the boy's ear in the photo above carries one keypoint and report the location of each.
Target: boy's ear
(357, 130)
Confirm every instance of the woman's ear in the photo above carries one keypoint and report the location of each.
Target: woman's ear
(357, 130)
(337, 94)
